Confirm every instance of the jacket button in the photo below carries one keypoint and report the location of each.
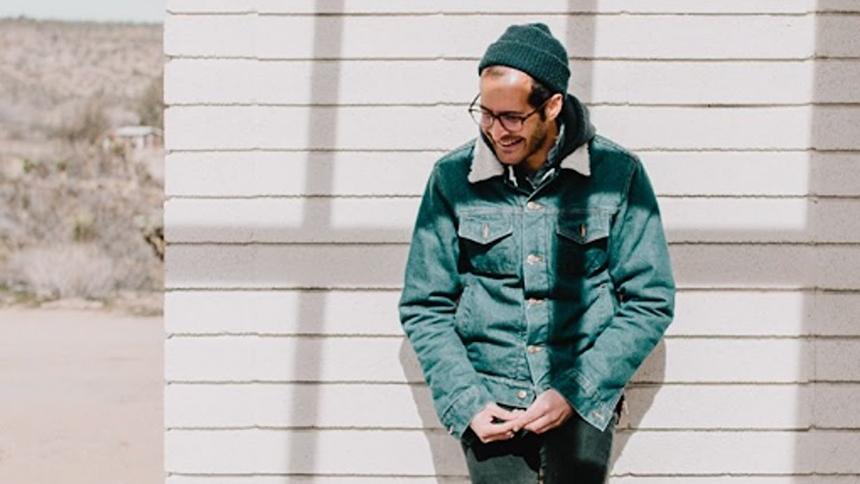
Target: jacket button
(451, 430)
(532, 301)
(534, 206)
(521, 394)
(533, 259)
(533, 349)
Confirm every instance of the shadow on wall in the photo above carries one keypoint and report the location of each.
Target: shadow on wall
(322, 123)
(833, 162)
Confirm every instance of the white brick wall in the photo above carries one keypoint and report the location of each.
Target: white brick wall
(299, 143)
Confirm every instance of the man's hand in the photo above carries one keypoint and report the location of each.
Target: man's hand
(488, 431)
(549, 410)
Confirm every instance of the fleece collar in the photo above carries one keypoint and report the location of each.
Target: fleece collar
(485, 165)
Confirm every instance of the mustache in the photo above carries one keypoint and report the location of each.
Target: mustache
(506, 139)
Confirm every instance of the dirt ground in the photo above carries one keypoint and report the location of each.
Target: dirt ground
(80, 397)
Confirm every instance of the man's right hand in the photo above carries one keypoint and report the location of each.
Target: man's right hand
(487, 430)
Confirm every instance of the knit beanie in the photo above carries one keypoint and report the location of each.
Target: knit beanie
(531, 48)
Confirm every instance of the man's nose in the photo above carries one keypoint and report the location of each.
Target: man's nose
(497, 130)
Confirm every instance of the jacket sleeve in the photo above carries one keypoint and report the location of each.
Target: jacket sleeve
(427, 312)
(640, 269)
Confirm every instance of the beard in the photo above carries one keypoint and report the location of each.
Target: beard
(528, 145)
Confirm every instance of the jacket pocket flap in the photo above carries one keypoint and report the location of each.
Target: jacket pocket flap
(583, 227)
(485, 228)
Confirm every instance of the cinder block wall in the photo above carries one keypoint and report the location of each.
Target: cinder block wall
(299, 138)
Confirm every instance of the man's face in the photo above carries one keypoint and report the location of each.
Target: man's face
(508, 94)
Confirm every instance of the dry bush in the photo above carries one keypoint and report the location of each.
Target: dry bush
(150, 104)
(86, 122)
(89, 197)
(59, 271)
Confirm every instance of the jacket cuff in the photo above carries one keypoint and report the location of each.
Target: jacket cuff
(459, 414)
(595, 406)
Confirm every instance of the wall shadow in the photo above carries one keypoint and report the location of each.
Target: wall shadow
(325, 83)
(426, 412)
(834, 145)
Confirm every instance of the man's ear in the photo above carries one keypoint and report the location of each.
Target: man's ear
(553, 106)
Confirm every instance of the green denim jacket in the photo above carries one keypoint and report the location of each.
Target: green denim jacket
(509, 292)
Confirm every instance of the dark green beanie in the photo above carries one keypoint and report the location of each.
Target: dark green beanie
(531, 48)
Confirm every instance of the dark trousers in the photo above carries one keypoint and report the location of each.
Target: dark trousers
(572, 453)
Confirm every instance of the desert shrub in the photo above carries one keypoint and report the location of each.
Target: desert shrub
(84, 227)
(67, 270)
(87, 122)
(89, 201)
(150, 104)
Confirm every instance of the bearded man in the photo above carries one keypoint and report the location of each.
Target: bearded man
(538, 276)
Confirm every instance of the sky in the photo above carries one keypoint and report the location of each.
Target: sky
(100, 10)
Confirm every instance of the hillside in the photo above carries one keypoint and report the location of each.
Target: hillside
(74, 216)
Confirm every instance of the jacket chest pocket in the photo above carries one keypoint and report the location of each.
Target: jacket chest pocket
(487, 243)
(581, 242)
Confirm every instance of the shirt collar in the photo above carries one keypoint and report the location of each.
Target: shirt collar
(485, 165)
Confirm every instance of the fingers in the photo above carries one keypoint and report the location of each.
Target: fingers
(549, 410)
(498, 437)
(534, 412)
(547, 421)
(490, 432)
(542, 424)
(499, 412)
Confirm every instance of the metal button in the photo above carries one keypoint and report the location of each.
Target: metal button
(485, 231)
(533, 349)
(533, 259)
(532, 301)
(582, 230)
(534, 206)
(521, 394)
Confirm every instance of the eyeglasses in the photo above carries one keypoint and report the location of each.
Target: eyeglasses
(512, 122)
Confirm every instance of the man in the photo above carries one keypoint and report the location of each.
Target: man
(538, 278)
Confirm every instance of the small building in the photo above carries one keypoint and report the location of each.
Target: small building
(133, 138)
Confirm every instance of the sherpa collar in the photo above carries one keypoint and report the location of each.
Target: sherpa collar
(578, 131)
(485, 165)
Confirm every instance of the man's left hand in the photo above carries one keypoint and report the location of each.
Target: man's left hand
(549, 410)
